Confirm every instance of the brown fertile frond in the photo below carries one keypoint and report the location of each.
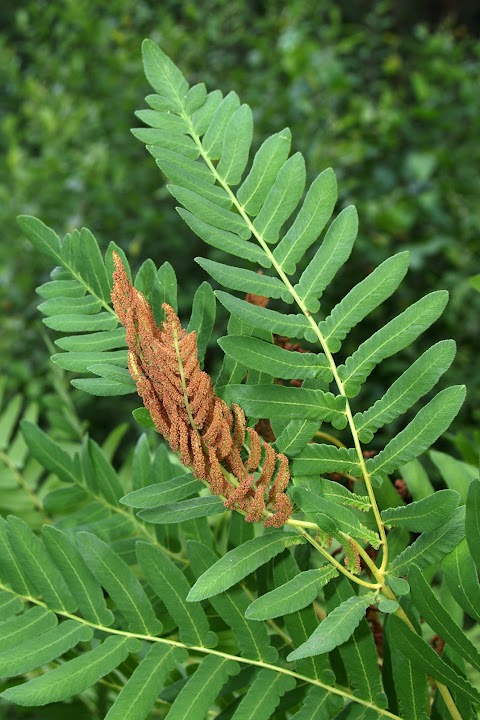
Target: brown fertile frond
(197, 424)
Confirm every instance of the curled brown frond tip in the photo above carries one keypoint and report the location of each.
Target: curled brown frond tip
(209, 437)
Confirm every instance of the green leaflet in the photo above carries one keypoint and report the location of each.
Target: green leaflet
(96, 342)
(336, 629)
(227, 241)
(164, 76)
(74, 676)
(394, 336)
(12, 570)
(210, 212)
(273, 360)
(213, 138)
(244, 280)
(202, 319)
(196, 178)
(431, 546)
(252, 637)
(309, 223)
(439, 618)
(319, 704)
(8, 420)
(236, 146)
(423, 656)
(267, 162)
(329, 258)
(61, 289)
(318, 458)
(240, 562)
(81, 361)
(161, 120)
(43, 238)
(142, 464)
(286, 403)
(87, 305)
(388, 606)
(457, 475)
(103, 387)
(423, 515)
(199, 694)
(81, 323)
(327, 513)
(293, 326)
(428, 424)
(80, 581)
(417, 480)
(293, 595)
(472, 521)
(263, 696)
(196, 97)
(415, 382)
(153, 138)
(411, 686)
(43, 572)
(145, 277)
(120, 583)
(138, 695)
(31, 623)
(359, 654)
(461, 577)
(332, 490)
(107, 483)
(9, 605)
(161, 493)
(362, 299)
(157, 102)
(295, 436)
(282, 199)
(182, 511)
(232, 371)
(42, 649)
(164, 288)
(172, 587)
(202, 117)
(301, 623)
(81, 255)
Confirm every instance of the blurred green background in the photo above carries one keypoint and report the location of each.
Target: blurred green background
(386, 93)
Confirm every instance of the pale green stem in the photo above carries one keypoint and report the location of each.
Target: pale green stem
(331, 438)
(335, 562)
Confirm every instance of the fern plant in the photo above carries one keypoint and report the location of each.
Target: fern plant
(241, 578)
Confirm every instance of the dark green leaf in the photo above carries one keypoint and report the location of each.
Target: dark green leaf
(439, 618)
(310, 221)
(240, 562)
(423, 515)
(182, 511)
(286, 403)
(120, 583)
(74, 676)
(424, 657)
(293, 595)
(171, 586)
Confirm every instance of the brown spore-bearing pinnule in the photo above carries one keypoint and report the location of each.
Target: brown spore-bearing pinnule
(208, 435)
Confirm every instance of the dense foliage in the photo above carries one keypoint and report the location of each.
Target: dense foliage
(393, 108)
(183, 603)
